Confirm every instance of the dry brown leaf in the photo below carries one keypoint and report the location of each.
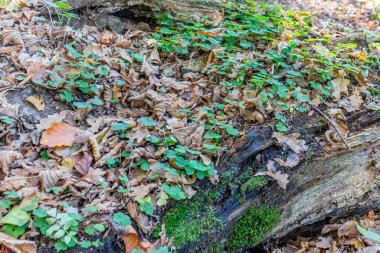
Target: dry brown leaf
(213, 33)
(36, 71)
(7, 108)
(12, 36)
(217, 17)
(361, 79)
(252, 116)
(95, 147)
(324, 242)
(50, 178)
(59, 134)
(107, 37)
(360, 55)
(6, 158)
(131, 241)
(83, 162)
(340, 121)
(93, 176)
(348, 229)
(10, 50)
(37, 102)
(141, 219)
(68, 163)
(205, 159)
(13, 183)
(16, 245)
(191, 135)
(281, 178)
(141, 191)
(112, 153)
(340, 87)
(295, 144)
(292, 160)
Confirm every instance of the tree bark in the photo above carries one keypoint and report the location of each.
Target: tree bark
(121, 15)
(327, 186)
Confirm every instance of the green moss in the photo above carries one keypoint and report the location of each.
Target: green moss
(250, 229)
(375, 92)
(188, 222)
(253, 183)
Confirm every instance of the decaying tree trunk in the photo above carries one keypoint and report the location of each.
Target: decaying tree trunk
(328, 186)
(120, 15)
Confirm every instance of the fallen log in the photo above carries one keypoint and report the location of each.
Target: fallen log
(121, 15)
(330, 184)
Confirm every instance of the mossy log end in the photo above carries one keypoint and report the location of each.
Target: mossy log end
(328, 185)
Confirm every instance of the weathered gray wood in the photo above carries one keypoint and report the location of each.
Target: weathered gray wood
(332, 184)
(149, 6)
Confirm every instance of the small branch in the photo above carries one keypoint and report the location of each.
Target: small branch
(333, 124)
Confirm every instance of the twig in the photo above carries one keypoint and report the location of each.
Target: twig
(333, 124)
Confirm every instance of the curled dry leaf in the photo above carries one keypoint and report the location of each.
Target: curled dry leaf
(6, 108)
(50, 178)
(82, 162)
(359, 55)
(13, 183)
(59, 134)
(348, 229)
(141, 219)
(107, 37)
(95, 147)
(340, 87)
(132, 241)
(213, 33)
(205, 159)
(37, 102)
(189, 135)
(295, 144)
(217, 17)
(6, 158)
(16, 245)
(93, 176)
(141, 191)
(291, 161)
(281, 178)
(252, 116)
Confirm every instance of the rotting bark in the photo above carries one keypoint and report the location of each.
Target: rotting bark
(331, 185)
(120, 15)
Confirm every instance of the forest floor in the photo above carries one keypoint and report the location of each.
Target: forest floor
(100, 132)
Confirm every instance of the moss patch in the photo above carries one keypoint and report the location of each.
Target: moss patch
(250, 229)
(188, 222)
(253, 183)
